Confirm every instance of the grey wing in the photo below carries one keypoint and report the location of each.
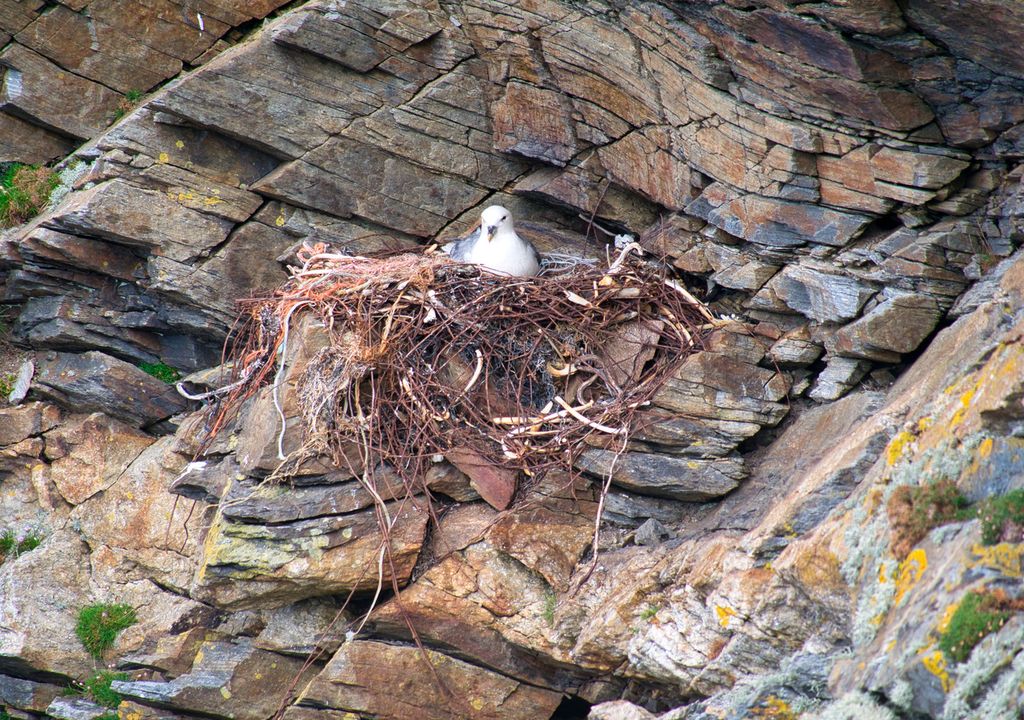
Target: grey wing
(460, 249)
(533, 249)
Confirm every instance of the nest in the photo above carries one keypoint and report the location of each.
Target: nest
(429, 359)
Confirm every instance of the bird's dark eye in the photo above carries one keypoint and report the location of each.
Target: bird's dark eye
(503, 217)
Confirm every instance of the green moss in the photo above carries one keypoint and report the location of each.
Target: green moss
(973, 620)
(97, 688)
(550, 603)
(6, 384)
(649, 612)
(99, 625)
(161, 371)
(12, 545)
(1002, 518)
(24, 192)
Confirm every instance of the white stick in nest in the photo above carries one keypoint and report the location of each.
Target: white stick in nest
(280, 373)
(584, 419)
(630, 248)
(476, 372)
(701, 307)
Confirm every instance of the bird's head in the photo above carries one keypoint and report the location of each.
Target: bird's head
(493, 219)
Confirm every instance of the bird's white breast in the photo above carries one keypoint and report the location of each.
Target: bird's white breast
(505, 253)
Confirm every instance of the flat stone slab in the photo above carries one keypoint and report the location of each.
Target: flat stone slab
(352, 679)
(35, 88)
(97, 382)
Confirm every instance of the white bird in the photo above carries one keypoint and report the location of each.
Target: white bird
(496, 246)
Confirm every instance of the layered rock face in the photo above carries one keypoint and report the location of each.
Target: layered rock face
(843, 177)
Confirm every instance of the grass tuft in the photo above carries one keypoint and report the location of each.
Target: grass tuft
(24, 192)
(1002, 518)
(97, 688)
(976, 617)
(13, 545)
(99, 625)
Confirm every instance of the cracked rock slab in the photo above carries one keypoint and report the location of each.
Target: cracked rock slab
(443, 690)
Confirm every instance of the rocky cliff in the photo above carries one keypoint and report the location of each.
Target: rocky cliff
(797, 533)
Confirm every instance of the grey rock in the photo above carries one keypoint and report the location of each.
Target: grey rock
(95, 382)
(27, 695)
(819, 295)
(897, 325)
(651, 532)
(795, 349)
(631, 510)
(663, 476)
(75, 708)
(303, 628)
(258, 680)
(838, 377)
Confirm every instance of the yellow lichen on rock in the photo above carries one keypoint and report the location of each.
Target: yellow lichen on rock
(935, 663)
(910, 573)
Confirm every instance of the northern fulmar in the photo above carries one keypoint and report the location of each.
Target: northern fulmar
(496, 246)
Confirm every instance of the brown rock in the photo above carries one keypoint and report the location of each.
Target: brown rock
(127, 214)
(140, 526)
(736, 269)
(245, 92)
(253, 565)
(434, 687)
(594, 60)
(807, 89)
(902, 175)
(967, 29)
(646, 161)
(25, 695)
(15, 16)
(23, 421)
(817, 294)
(41, 591)
(746, 159)
(87, 46)
(534, 122)
(680, 478)
(549, 537)
(195, 192)
(36, 89)
(344, 177)
(362, 37)
(446, 127)
(874, 17)
(158, 24)
(88, 453)
(838, 377)
(82, 253)
(897, 325)
(209, 154)
(718, 387)
(670, 44)
(812, 43)
(495, 484)
(583, 185)
(775, 223)
(30, 144)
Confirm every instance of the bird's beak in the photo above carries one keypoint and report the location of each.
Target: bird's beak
(489, 232)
